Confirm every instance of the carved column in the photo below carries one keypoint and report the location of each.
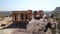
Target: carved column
(18, 16)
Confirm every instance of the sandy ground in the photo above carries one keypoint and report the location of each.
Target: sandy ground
(7, 21)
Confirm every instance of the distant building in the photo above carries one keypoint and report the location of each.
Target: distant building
(38, 12)
(22, 15)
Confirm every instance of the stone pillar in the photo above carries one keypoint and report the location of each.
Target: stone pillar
(24, 16)
(18, 16)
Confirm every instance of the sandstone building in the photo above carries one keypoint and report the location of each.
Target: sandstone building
(22, 15)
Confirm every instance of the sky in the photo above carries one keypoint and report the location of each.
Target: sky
(12, 5)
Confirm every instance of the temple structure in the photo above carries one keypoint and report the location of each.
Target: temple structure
(22, 15)
(22, 18)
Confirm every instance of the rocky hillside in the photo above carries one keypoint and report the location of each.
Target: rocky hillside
(56, 12)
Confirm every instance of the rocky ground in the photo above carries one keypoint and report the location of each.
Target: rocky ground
(13, 31)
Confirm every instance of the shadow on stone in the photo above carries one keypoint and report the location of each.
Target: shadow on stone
(18, 24)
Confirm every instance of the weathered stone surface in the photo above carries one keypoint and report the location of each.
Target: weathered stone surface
(13, 31)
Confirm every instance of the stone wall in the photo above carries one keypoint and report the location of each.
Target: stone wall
(22, 15)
